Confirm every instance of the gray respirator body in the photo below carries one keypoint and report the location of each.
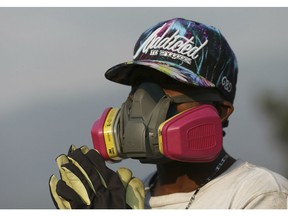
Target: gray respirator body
(148, 127)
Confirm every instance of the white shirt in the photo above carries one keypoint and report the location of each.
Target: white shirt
(242, 186)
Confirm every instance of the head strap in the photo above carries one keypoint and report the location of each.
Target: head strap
(198, 95)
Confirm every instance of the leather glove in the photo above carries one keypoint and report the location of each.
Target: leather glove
(87, 183)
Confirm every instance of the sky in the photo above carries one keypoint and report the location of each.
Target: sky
(53, 87)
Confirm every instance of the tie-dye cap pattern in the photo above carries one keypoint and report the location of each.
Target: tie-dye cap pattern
(188, 51)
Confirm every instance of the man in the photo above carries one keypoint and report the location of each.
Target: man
(183, 83)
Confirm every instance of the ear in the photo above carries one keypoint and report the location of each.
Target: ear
(226, 110)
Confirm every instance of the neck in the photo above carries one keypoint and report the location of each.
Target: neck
(173, 177)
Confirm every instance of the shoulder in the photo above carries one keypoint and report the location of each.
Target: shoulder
(245, 186)
(262, 177)
(256, 186)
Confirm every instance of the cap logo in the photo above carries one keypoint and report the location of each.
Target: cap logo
(175, 46)
(227, 85)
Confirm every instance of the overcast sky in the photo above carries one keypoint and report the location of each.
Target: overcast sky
(53, 88)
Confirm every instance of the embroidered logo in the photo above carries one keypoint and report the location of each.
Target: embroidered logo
(226, 84)
(175, 46)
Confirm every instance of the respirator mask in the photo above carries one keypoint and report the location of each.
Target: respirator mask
(147, 127)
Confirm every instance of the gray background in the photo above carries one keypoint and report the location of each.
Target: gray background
(52, 86)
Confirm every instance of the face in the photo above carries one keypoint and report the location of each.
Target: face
(172, 87)
(224, 108)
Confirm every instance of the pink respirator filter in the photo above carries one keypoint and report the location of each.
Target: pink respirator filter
(97, 133)
(194, 135)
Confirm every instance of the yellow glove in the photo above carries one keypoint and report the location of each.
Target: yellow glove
(86, 182)
(134, 188)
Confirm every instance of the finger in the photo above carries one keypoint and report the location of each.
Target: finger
(61, 160)
(84, 149)
(69, 195)
(135, 194)
(58, 201)
(88, 169)
(72, 148)
(125, 175)
(79, 182)
(110, 177)
(97, 160)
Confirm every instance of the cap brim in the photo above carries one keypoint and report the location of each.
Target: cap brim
(121, 73)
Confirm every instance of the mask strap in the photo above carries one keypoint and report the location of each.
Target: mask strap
(159, 113)
(123, 115)
(197, 97)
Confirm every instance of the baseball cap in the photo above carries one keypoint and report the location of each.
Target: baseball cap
(189, 52)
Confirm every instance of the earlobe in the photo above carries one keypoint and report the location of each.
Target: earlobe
(226, 110)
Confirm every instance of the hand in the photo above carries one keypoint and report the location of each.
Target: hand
(87, 183)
